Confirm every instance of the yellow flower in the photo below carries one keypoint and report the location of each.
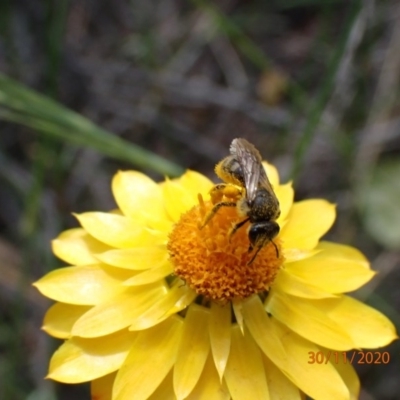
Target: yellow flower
(152, 307)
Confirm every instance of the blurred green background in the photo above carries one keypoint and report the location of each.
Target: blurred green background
(92, 86)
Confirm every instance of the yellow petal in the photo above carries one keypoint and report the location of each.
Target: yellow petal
(308, 220)
(237, 306)
(121, 310)
(285, 195)
(272, 173)
(138, 258)
(138, 197)
(141, 373)
(177, 199)
(176, 299)
(292, 255)
(319, 381)
(209, 385)
(195, 183)
(165, 390)
(279, 386)
(349, 376)
(367, 327)
(259, 324)
(193, 351)
(83, 285)
(60, 318)
(291, 284)
(101, 388)
(76, 247)
(309, 318)
(81, 360)
(335, 268)
(245, 374)
(183, 296)
(344, 252)
(220, 335)
(151, 275)
(117, 230)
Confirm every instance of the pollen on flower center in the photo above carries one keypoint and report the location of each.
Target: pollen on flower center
(215, 265)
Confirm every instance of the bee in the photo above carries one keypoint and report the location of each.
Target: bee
(247, 187)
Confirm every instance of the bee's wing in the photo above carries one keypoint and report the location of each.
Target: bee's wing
(250, 161)
(265, 183)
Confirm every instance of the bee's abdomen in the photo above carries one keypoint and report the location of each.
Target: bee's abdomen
(264, 207)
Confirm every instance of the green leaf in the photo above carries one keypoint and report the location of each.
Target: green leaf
(24, 106)
(380, 201)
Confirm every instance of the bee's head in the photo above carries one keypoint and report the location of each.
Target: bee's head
(262, 232)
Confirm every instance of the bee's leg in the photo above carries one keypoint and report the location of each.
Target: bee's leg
(227, 190)
(217, 193)
(236, 227)
(214, 211)
(222, 195)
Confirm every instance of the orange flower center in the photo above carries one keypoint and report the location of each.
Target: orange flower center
(215, 264)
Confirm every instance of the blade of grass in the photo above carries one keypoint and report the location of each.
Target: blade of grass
(318, 106)
(56, 18)
(24, 106)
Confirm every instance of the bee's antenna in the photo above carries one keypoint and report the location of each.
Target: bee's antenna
(276, 248)
(236, 227)
(259, 248)
(255, 254)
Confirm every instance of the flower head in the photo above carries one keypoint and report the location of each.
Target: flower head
(153, 307)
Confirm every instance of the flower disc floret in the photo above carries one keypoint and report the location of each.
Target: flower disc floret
(216, 264)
